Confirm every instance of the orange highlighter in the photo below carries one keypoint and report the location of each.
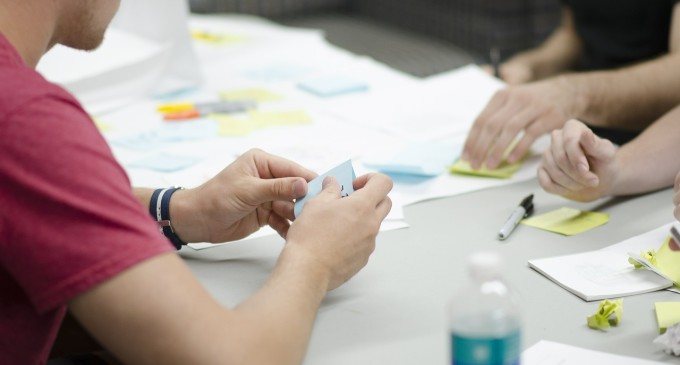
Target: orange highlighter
(184, 111)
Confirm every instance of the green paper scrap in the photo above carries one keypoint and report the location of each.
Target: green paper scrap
(504, 171)
(242, 125)
(665, 260)
(667, 314)
(254, 94)
(602, 319)
(650, 256)
(567, 221)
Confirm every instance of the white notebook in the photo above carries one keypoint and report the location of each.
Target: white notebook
(606, 273)
(553, 353)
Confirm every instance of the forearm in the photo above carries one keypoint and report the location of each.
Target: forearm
(629, 98)
(557, 54)
(650, 161)
(185, 216)
(157, 313)
(282, 313)
(143, 195)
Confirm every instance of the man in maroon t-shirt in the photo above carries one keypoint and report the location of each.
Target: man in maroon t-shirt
(76, 239)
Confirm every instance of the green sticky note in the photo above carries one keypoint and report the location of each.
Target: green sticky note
(668, 262)
(567, 221)
(254, 94)
(667, 314)
(504, 171)
(229, 125)
(609, 313)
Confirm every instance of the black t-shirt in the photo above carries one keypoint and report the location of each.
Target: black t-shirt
(622, 32)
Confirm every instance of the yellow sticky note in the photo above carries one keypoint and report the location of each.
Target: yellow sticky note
(667, 314)
(242, 125)
(504, 171)
(280, 118)
(668, 262)
(214, 37)
(567, 221)
(255, 94)
(102, 126)
(609, 313)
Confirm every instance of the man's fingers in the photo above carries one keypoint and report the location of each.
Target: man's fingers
(271, 166)
(287, 188)
(285, 209)
(279, 224)
(374, 187)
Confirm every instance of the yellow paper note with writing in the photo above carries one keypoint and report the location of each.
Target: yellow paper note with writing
(255, 94)
(232, 126)
(668, 262)
(567, 221)
(504, 171)
(667, 314)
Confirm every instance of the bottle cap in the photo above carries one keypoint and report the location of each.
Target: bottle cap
(485, 265)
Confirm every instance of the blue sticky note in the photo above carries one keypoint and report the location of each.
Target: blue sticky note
(343, 173)
(279, 72)
(326, 86)
(422, 158)
(164, 162)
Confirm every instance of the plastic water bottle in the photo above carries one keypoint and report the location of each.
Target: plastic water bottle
(484, 318)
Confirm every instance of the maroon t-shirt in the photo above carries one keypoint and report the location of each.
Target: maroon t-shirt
(68, 218)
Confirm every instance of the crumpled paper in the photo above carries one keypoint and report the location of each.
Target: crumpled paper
(650, 256)
(670, 340)
(602, 319)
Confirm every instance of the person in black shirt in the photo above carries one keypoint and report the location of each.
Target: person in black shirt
(612, 65)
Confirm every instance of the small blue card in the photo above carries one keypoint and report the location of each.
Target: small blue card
(326, 86)
(343, 173)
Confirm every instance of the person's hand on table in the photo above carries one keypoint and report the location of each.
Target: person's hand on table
(578, 165)
(535, 109)
(257, 189)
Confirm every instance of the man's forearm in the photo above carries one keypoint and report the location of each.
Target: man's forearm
(650, 161)
(629, 98)
(557, 54)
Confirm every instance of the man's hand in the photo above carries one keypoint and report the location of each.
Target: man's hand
(255, 190)
(338, 233)
(578, 165)
(535, 108)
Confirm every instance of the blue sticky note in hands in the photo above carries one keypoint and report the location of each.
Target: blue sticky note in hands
(343, 173)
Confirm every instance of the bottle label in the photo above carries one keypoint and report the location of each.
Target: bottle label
(485, 351)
